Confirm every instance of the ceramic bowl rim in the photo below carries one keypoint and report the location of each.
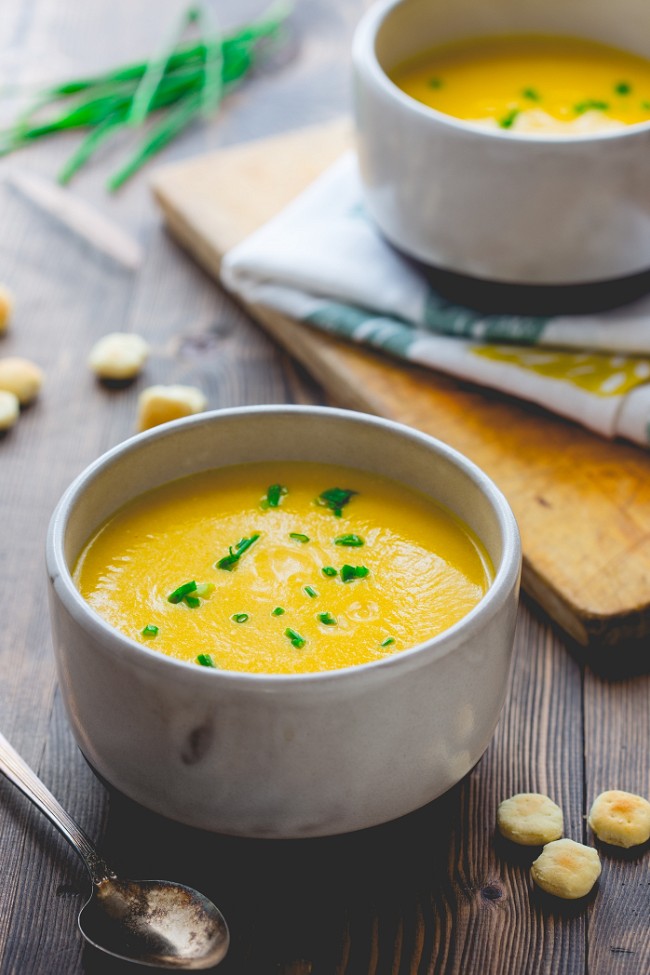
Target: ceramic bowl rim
(365, 58)
(505, 580)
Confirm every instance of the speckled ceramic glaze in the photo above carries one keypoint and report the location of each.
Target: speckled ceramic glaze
(274, 755)
(489, 203)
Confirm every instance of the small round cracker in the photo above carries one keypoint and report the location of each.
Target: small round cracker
(530, 818)
(9, 409)
(6, 307)
(118, 355)
(620, 818)
(160, 404)
(21, 377)
(566, 869)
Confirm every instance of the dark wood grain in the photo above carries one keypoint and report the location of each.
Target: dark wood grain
(435, 892)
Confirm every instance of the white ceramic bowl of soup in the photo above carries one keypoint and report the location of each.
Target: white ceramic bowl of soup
(277, 755)
(492, 203)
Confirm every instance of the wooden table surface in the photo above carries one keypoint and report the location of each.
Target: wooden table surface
(434, 892)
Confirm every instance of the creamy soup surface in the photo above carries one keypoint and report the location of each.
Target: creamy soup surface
(282, 568)
(532, 83)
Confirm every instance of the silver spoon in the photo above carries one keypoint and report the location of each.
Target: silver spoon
(151, 922)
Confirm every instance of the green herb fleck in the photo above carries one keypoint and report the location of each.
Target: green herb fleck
(351, 541)
(335, 499)
(179, 594)
(205, 659)
(311, 591)
(329, 570)
(239, 617)
(150, 630)
(622, 87)
(278, 611)
(590, 103)
(646, 106)
(531, 94)
(507, 121)
(327, 619)
(435, 82)
(273, 497)
(229, 562)
(296, 640)
(192, 601)
(387, 642)
(350, 572)
(299, 537)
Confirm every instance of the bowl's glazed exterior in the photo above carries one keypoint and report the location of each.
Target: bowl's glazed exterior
(274, 755)
(495, 204)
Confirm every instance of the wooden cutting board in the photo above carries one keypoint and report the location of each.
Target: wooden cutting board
(582, 503)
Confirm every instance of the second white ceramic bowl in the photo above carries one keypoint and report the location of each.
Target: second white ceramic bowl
(494, 204)
(275, 755)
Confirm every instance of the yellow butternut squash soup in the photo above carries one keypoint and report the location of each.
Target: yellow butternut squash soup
(282, 568)
(532, 83)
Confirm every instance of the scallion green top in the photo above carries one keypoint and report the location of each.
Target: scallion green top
(274, 495)
(590, 103)
(350, 572)
(179, 594)
(296, 640)
(205, 659)
(230, 561)
(335, 499)
(351, 541)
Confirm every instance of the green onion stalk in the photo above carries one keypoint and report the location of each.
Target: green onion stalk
(182, 82)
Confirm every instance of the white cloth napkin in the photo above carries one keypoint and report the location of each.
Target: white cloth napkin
(321, 261)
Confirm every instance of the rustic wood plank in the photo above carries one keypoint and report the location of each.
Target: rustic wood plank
(617, 732)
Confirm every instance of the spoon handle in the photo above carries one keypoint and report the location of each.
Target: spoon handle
(18, 771)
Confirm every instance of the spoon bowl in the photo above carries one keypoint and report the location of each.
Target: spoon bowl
(148, 922)
(154, 922)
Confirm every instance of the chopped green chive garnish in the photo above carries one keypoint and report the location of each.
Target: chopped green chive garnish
(299, 537)
(274, 496)
(506, 121)
(531, 94)
(205, 659)
(311, 591)
(435, 82)
(150, 630)
(179, 594)
(329, 570)
(296, 640)
(335, 499)
(278, 611)
(189, 593)
(350, 572)
(645, 105)
(590, 103)
(229, 562)
(327, 619)
(204, 589)
(239, 617)
(387, 642)
(351, 541)
(623, 88)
